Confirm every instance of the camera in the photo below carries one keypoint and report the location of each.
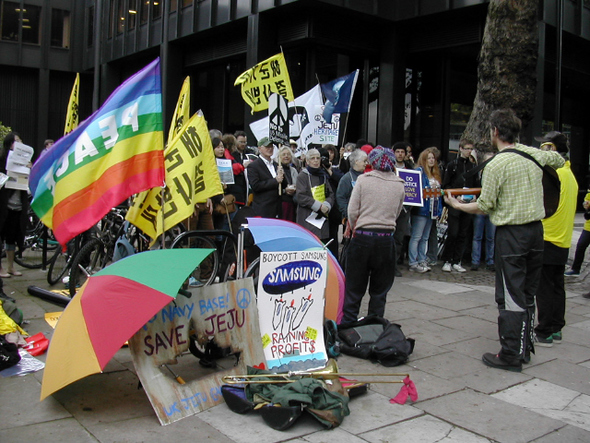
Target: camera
(325, 162)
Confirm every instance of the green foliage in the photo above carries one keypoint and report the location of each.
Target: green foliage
(4, 130)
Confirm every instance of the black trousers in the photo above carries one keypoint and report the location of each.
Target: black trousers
(457, 232)
(519, 260)
(370, 261)
(551, 301)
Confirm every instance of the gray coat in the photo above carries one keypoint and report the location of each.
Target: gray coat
(306, 203)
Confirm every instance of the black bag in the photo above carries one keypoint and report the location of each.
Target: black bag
(9, 355)
(376, 339)
(551, 184)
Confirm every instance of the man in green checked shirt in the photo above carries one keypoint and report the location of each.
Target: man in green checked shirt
(512, 195)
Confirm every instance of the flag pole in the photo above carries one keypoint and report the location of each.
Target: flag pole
(163, 242)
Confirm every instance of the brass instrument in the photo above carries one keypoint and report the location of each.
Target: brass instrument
(329, 372)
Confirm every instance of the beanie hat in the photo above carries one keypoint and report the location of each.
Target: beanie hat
(382, 159)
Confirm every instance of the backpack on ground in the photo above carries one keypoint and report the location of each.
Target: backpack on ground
(376, 339)
(9, 355)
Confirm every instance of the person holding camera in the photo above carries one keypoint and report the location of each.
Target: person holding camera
(314, 196)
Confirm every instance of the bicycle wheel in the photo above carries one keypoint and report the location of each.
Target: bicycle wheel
(252, 271)
(90, 260)
(31, 254)
(206, 272)
(58, 266)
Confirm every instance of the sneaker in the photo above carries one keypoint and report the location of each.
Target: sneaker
(459, 268)
(418, 268)
(474, 267)
(431, 263)
(494, 361)
(571, 273)
(446, 267)
(557, 337)
(425, 266)
(544, 342)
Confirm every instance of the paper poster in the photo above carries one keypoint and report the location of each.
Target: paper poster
(19, 158)
(324, 132)
(290, 302)
(413, 186)
(226, 174)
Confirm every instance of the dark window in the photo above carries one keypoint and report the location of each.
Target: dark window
(31, 23)
(90, 26)
(186, 3)
(121, 17)
(173, 5)
(132, 16)
(112, 11)
(60, 28)
(156, 9)
(144, 9)
(10, 21)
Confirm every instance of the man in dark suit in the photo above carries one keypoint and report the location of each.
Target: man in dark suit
(264, 177)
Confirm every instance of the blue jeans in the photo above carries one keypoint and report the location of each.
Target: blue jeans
(419, 239)
(481, 224)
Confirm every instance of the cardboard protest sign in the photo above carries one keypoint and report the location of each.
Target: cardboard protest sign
(413, 187)
(225, 312)
(324, 132)
(291, 289)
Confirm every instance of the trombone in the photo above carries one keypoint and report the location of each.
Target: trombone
(329, 372)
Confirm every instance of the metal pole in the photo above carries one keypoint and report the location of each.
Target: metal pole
(558, 61)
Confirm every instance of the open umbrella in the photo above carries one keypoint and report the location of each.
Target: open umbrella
(271, 235)
(109, 308)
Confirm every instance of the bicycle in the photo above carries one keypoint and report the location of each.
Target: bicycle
(36, 236)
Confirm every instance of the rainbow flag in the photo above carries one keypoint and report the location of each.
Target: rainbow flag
(116, 152)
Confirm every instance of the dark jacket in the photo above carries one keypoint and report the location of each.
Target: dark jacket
(453, 176)
(308, 204)
(266, 201)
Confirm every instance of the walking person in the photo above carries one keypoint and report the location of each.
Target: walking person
(375, 203)
(512, 194)
(422, 217)
(557, 235)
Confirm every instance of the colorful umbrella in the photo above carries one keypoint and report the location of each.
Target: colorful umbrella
(271, 234)
(109, 308)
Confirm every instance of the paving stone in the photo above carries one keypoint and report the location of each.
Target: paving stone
(567, 434)
(538, 395)
(57, 431)
(427, 331)
(464, 299)
(413, 309)
(425, 429)
(474, 347)
(490, 417)
(490, 380)
(564, 374)
(473, 326)
(441, 287)
(449, 365)
(20, 405)
(329, 436)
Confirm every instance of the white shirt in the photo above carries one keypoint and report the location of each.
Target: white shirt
(271, 167)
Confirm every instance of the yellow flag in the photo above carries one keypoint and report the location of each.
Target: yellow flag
(72, 114)
(259, 82)
(191, 177)
(182, 110)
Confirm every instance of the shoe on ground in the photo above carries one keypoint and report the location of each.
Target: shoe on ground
(447, 267)
(458, 268)
(474, 267)
(431, 263)
(494, 361)
(398, 273)
(5, 297)
(418, 268)
(491, 268)
(557, 337)
(425, 266)
(544, 342)
(571, 273)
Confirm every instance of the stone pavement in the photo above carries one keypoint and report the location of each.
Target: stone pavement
(451, 316)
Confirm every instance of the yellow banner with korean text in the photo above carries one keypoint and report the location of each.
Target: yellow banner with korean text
(72, 111)
(191, 178)
(182, 112)
(260, 81)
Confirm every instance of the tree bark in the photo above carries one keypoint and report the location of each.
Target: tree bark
(507, 76)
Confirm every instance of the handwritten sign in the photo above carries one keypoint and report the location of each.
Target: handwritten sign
(291, 309)
(225, 313)
(324, 132)
(413, 186)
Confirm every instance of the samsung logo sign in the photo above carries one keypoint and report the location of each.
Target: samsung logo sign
(291, 276)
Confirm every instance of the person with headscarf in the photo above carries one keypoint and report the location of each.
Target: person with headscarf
(314, 196)
(375, 203)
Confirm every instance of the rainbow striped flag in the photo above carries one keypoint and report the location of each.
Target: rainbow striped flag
(116, 152)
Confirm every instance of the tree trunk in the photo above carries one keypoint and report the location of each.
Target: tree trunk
(507, 75)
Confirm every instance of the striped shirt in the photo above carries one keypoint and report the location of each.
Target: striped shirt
(511, 188)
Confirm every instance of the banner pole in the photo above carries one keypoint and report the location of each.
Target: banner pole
(163, 242)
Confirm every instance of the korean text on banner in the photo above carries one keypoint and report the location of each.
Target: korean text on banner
(115, 153)
(191, 178)
(182, 110)
(72, 113)
(338, 94)
(263, 79)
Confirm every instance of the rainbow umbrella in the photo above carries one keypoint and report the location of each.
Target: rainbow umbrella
(109, 308)
(271, 235)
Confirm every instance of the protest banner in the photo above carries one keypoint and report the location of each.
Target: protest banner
(115, 153)
(338, 94)
(323, 132)
(191, 178)
(278, 122)
(182, 110)
(225, 313)
(260, 81)
(72, 112)
(412, 186)
(290, 301)
(302, 111)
